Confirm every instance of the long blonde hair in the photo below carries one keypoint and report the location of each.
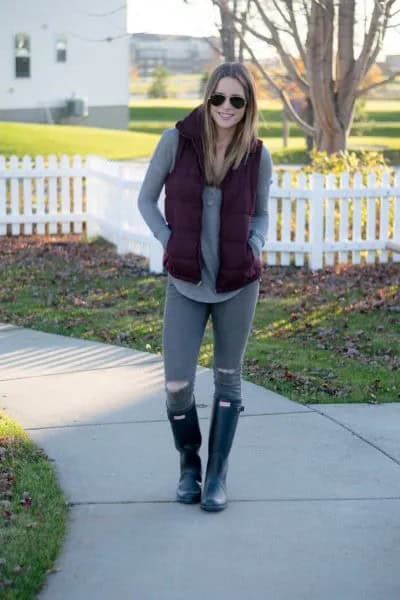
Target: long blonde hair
(246, 130)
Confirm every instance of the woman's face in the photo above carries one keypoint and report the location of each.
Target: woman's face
(225, 115)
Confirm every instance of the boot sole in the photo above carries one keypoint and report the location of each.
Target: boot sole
(213, 508)
(190, 500)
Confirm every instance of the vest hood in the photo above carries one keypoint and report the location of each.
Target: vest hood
(192, 125)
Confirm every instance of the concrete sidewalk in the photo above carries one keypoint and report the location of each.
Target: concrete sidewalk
(314, 490)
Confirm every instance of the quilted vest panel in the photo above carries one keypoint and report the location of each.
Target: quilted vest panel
(183, 211)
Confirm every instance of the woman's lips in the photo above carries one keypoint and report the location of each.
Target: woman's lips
(225, 116)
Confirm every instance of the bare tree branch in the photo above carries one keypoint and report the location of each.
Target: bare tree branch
(333, 77)
(282, 94)
(213, 46)
(293, 24)
(285, 57)
(366, 89)
(373, 57)
(226, 30)
(279, 10)
(306, 11)
(244, 15)
(368, 41)
(257, 34)
(372, 45)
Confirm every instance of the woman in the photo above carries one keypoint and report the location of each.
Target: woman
(216, 175)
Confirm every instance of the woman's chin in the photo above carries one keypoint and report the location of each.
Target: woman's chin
(225, 123)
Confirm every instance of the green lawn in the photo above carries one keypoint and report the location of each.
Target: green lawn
(326, 336)
(33, 139)
(149, 118)
(34, 513)
(380, 106)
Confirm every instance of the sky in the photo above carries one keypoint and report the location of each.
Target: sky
(172, 16)
(198, 19)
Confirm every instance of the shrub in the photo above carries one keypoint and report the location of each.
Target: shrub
(362, 161)
(203, 82)
(158, 86)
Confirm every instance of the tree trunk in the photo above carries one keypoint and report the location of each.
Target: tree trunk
(227, 32)
(330, 141)
(309, 118)
(285, 129)
(333, 75)
(244, 16)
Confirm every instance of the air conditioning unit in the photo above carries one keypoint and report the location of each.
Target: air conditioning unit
(77, 107)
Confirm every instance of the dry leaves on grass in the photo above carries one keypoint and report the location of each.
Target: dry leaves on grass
(77, 255)
(378, 285)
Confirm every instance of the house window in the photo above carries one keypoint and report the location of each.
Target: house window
(61, 50)
(22, 55)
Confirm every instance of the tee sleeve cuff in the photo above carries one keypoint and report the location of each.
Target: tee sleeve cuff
(163, 235)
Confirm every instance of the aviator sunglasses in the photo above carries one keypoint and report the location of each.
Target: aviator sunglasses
(235, 101)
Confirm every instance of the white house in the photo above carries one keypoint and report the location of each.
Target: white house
(64, 62)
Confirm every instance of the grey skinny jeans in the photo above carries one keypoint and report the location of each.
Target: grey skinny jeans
(183, 329)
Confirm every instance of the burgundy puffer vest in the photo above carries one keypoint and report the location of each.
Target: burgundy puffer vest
(183, 211)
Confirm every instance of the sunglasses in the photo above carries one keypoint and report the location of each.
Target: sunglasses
(235, 101)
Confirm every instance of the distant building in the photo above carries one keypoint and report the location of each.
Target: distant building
(64, 62)
(392, 61)
(177, 53)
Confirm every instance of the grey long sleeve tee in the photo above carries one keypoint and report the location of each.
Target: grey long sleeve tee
(162, 163)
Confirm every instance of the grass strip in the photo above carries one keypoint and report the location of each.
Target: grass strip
(33, 514)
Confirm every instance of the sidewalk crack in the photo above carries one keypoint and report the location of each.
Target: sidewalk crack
(72, 503)
(161, 420)
(361, 437)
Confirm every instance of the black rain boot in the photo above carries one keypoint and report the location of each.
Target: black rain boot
(223, 425)
(187, 437)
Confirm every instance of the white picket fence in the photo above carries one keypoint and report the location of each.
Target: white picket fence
(315, 220)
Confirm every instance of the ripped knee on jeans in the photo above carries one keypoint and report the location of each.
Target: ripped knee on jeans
(227, 383)
(179, 395)
(176, 386)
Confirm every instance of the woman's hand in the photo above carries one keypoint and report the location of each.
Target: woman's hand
(255, 246)
(164, 235)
